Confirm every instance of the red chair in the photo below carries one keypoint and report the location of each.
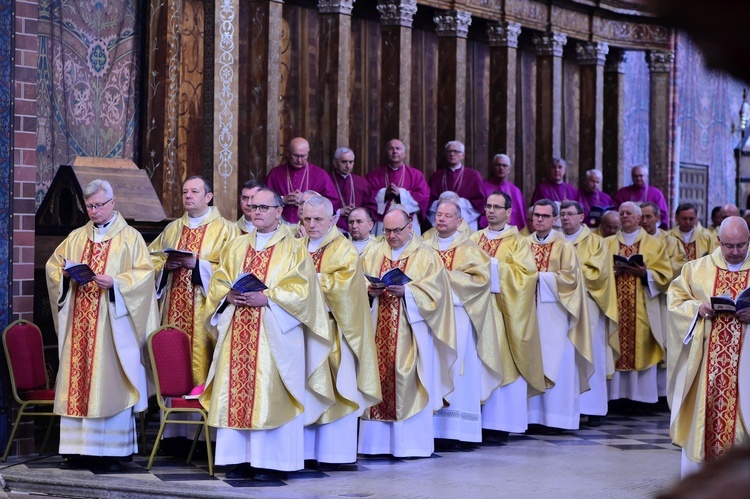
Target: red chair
(24, 353)
(170, 354)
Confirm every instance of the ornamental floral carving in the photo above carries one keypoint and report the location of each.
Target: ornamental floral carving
(550, 44)
(592, 53)
(335, 6)
(660, 61)
(397, 12)
(453, 23)
(504, 34)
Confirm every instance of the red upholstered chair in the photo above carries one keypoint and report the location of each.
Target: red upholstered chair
(169, 350)
(24, 353)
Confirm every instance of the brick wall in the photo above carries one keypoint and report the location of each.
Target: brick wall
(25, 158)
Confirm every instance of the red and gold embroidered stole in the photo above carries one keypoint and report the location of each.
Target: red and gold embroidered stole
(542, 253)
(386, 342)
(690, 250)
(317, 257)
(181, 295)
(490, 246)
(627, 296)
(447, 256)
(84, 329)
(245, 336)
(723, 352)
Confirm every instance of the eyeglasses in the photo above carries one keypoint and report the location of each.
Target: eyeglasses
(493, 207)
(732, 247)
(541, 216)
(98, 206)
(261, 207)
(452, 151)
(396, 231)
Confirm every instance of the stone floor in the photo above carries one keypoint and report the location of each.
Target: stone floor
(629, 455)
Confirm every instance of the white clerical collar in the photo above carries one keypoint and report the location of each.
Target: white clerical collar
(494, 234)
(103, 227)
(262, 238)
(248, 224)
(341, 174)
(445, 242)
(734, 267)
(314, 244)
(396, 253)
(360, 245)
(572, 237)
(543, 239)
(629, 238)
(194, 222)
(395, 168)
(687, 236)
(456, 168)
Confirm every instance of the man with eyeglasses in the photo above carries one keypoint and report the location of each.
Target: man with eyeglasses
(416, 341)
(361, 223)
(707, 358)
(249, 188)
(331, 440)
(498, 181)
(513, 277)
(478, 370)
(352, 189)
(101, 327)
(641, 330)
(297, 175)
(270, 372)
(465, 182)
(567, 353)
(183, 278)
(601, 302)
(397, 183)
(554, 186)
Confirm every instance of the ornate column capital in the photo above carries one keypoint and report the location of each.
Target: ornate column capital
(336, 6)
(550, 43)
(616, 61)
(397, 12)
(592, 53)
(453, 23)
(504, 34)
(660, 61)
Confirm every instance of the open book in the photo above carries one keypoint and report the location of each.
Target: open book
(79, 272)
(727, 304)
(394, 277)
(248, 282)
(172, 251)
(630, 261)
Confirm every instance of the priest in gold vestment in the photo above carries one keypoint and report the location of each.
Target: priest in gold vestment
(102, 327)
(332, 439)
(477, 370)
(708, 360)
(270, 372)
(360, 224)
(567, 352)
(249, 188)
(641, 332)
(601, 300)
(182, 281)
(416, 340)
(696, 240)
(513, 284)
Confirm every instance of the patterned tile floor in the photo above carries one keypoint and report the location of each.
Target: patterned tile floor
(589, 462)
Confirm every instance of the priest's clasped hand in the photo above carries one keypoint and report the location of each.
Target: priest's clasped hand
(249, 299)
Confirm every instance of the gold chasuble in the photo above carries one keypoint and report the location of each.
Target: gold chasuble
(596, 264)
(708, 361)
(181, 300)
(100, 355)
(702, 243)
(255, 379)
(675, 250)
(517, 329)
(344, 287)
(640, 344)
(469, 275)
(404, 389)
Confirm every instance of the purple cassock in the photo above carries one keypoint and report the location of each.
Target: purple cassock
(518, 207)
(555, 192)
(464, 181)
(285, 179)
(405, 177)
(595, 199)
(352, 190)
(642, 195)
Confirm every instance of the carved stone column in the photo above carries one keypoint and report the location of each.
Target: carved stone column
(503, 73)
(395, 63)
(334, 65)
(452, 29)
(613, 166)
(660, 65)
(549, 50)
(591, 57)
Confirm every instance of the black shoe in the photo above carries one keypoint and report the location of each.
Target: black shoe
(74, 463)
(494, 437)
(242, 470)
(265, 475)
(109, 464)
(447, 445)
(594, 421)
(329, 466)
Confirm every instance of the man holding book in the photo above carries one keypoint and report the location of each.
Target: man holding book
(414, 327)
(638, 288)
(708, 385)
(101, 327)
(270, 371)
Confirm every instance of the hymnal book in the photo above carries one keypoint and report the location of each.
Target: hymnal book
(630, 261)
(248, 282)
(172, 251)
(79, 272)
(394, 277)
(727, 304)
